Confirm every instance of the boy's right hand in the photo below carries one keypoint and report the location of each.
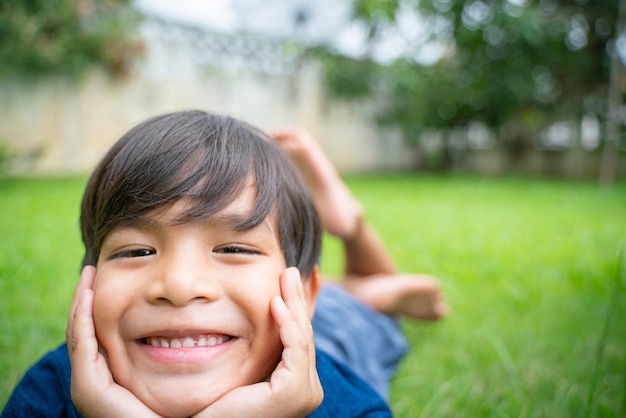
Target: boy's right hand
(94, 392)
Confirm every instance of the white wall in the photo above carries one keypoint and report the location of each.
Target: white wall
(61, 126)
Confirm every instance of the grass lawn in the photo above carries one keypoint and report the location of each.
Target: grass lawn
(530, 269)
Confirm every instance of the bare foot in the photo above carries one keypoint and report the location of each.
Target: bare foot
(339, 211)
(416, 296)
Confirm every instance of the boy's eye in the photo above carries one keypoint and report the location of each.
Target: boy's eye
(140, 252)
(236, 249)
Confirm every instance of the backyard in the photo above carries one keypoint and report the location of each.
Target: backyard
(530, 267)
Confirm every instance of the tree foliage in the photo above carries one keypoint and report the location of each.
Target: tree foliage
(516, 64)
(41, 37)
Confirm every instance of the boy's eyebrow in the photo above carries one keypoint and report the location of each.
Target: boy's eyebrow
(231, 220)
(228, 218)
(141, 222)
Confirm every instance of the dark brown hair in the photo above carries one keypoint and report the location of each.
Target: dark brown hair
(208, 159)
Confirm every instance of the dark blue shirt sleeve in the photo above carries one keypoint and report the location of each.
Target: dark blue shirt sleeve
(345, 394)
(44, 391)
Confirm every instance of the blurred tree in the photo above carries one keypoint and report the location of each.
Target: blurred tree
(515, 65)
(610, 157)
(40, 37)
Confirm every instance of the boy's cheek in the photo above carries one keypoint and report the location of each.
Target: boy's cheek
(102, 320)
(109, 305)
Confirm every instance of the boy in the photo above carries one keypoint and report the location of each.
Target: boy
(188, 304)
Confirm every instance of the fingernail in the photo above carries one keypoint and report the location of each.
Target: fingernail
(296, 275)
(293, 275)
(292, 272)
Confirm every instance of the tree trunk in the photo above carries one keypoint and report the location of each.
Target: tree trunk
(610, 152)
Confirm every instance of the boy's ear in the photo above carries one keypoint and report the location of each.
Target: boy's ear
(311, 289)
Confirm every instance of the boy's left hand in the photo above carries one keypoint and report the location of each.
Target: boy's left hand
(294, 389)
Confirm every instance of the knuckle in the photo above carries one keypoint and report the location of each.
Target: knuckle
(304, 343)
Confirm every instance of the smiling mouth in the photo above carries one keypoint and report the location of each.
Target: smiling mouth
(187, 342)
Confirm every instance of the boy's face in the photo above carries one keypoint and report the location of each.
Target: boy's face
(182, 310)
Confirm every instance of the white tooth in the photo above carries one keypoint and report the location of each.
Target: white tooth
(188, 342)
(154, 342)
(202, 342)
(175, 344)
(165, 343)
(211, 341)
(220, 340)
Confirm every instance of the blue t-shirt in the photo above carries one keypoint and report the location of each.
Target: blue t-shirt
(45, 391)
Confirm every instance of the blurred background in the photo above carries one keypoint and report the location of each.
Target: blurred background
(485, 139)
(483, 86)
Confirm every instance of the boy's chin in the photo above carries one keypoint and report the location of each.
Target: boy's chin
(182, 396)
(180, 409)
(179, 403)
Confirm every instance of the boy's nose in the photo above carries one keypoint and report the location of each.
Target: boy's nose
(180, 281)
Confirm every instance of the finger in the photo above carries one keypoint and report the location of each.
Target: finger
(293, 294)
(296, 334)
(292, 291)
(296, 345)
(297, 331)
(296, 370)
(86, 281)
(83, 344)
(295, 298)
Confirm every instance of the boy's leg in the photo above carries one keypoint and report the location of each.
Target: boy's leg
(339, 210)
(370, 274)
(414, 295)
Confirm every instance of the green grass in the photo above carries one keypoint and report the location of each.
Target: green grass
(529, 267)
(40, 255)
